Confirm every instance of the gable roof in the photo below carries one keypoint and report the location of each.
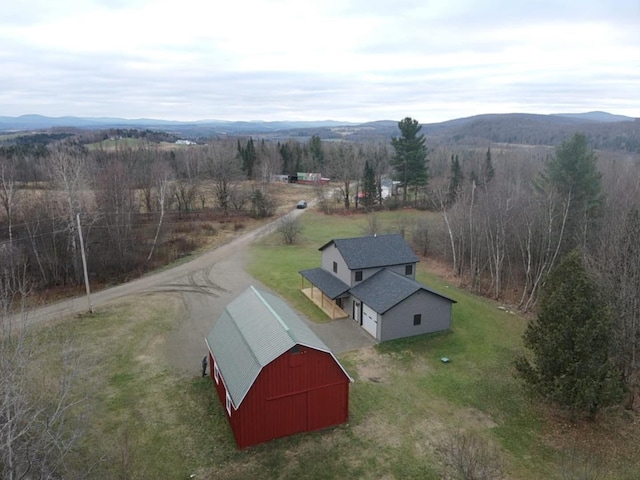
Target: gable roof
(330, 285)
(386, 289)
(255, 329)
(373, 251)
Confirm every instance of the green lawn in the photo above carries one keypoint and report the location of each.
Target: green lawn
(476, 391)
(147, 421)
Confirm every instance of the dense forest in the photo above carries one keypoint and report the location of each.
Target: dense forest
(505, 219)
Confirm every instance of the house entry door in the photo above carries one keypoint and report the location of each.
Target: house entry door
(356, 312)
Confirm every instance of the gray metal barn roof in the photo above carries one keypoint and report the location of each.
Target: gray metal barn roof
(386, 289)
(374, 251)
(255, 329)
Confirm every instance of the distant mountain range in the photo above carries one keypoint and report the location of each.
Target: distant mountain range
(38, 122)
(606, 131)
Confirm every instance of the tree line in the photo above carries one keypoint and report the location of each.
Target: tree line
(563, 230)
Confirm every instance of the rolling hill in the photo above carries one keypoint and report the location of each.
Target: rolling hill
(605, 131)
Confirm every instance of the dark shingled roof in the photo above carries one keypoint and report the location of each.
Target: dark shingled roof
(374, 251)
(330, 285)
(386, 289)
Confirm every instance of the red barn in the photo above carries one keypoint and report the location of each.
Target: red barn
(273, 375)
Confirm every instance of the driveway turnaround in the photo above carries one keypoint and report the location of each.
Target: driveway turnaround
(206, 285)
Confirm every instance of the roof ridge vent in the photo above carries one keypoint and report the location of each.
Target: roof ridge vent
(273, 312)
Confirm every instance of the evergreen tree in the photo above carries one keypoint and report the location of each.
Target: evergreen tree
(488, 170)
(249, 156)
(574, 174)
(410, 160)
(455, 181)
(316, 153)
(368, 185)
(288, 165)
(473, 177)
(570, 343)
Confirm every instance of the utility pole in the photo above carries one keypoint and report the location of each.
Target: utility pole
(84, 264)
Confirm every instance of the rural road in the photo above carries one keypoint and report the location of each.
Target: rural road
(206, 284)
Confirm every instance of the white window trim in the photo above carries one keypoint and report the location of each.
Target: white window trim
(228, 404)
(216, 373)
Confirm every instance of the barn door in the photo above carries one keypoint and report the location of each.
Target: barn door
(287, 415)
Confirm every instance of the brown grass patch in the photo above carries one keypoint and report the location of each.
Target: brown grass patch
(371, 366)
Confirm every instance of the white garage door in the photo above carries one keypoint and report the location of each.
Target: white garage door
(369, 320)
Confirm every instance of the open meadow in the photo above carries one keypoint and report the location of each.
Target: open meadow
(408, 410)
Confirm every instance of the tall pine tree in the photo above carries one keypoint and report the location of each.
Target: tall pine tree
(317, 153)
(570, 342)
(249, 156)
(574, 174)
(488, 171)
(410, 160)
(368, 185)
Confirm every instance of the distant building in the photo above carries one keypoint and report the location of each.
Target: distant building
(280, 178)
(311, 178)
(185, 142)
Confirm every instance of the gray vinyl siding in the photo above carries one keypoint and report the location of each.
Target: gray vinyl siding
(399, 269)
(397, 322)
(331, 254)
(347, 306)
(366, 272)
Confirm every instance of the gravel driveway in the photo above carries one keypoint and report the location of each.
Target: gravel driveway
(206, 284)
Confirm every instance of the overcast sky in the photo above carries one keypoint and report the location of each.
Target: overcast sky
(349, 60)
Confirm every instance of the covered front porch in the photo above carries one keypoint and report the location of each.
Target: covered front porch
(328, 306)
(325, 291)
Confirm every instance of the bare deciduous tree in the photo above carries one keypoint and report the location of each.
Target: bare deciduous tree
(69, 173)
(344, 166)
(577, 466)
(373, 225)
(466, 456)
(40, 420)
(161, 175)
(439, 196)
(224, 168)
(541, 234)
(289, 228)
(8, 191)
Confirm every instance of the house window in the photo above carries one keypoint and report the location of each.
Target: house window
(335, 267)
(359, 276)
(417, 319)
(228, 402)
(216, 372)
(408, 269)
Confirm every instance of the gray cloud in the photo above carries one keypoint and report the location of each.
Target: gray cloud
(382, 60)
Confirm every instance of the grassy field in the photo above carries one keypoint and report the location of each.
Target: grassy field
(113, 144)
(147, 421)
